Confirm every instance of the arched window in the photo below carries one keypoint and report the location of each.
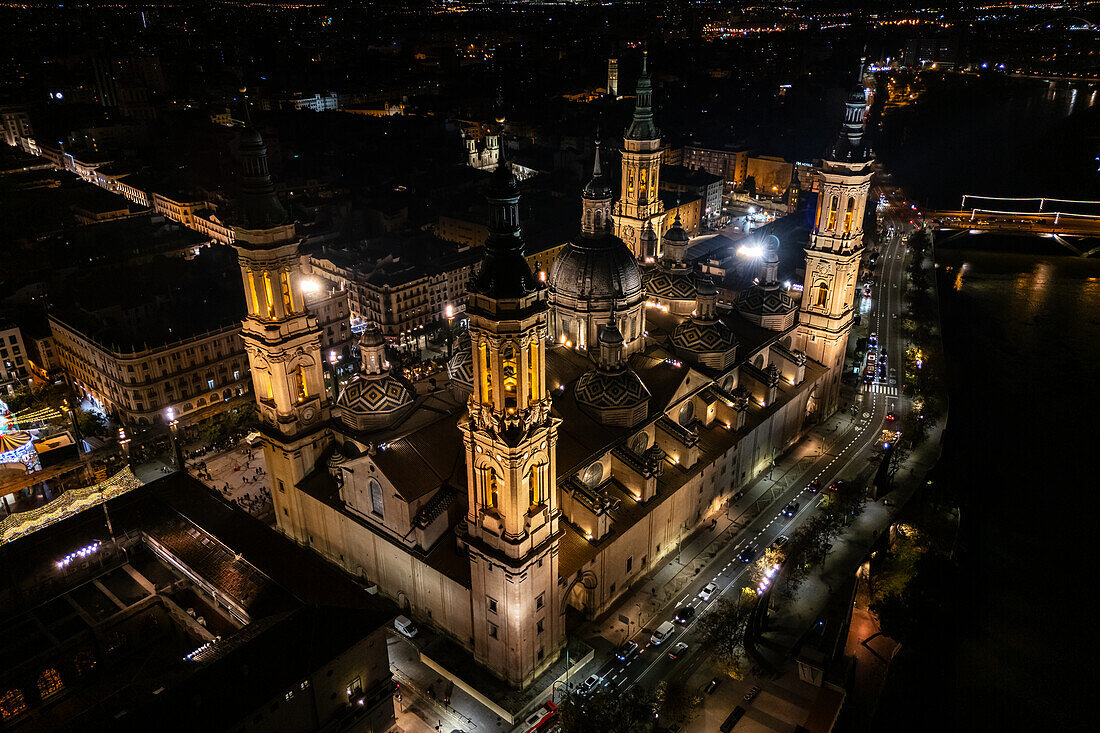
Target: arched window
(375, 497)
(687, 412)
(509, 373)
(851, 211)
(288, 295)
(252, 288)
(821, 297)
(834, 204)
(491, 496)
(300, 380)
(536, 484)
(593, 475)
(486, 375)
(267, 294)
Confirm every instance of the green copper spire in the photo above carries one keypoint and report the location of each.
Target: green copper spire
(642, 127)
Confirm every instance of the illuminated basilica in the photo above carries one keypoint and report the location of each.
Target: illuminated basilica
(587, 422)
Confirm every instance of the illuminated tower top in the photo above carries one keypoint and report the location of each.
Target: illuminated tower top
(642, 126)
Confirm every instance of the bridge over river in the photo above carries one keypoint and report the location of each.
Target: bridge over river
(1067, 221)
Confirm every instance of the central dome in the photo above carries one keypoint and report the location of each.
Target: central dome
(601, 270)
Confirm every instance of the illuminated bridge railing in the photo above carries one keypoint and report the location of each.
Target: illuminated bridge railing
(70, 502)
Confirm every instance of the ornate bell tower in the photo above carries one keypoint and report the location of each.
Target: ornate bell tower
(639, 202)
(835, 248)
(511, 529)
(282, 341)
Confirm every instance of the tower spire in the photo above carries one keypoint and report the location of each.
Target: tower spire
(259, 206)
(641, 126)
(504, 271)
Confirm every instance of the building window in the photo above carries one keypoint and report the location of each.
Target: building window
(12, 703)
(375, 497)
(538, 627)
(210, 384)
(49, 683)
(822, 298)
(355, 687)
(267, 294)
(629, 563)
(492, 605)
(848, 215)
(540, 601)
(593, 474)
(541, 653)
(492, 631)
(834, 204)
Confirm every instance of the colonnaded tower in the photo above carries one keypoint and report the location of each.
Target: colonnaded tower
(639, 206)
(282, 341)
(835, 248)
(512, 523)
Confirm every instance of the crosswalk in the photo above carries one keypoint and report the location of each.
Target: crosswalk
(881, 389)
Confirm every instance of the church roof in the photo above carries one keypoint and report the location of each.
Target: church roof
(660, 283)
(603, 390)
(703, 337)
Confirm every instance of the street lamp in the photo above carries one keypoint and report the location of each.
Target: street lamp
(449, 314)
(173, 427)
(332, 364)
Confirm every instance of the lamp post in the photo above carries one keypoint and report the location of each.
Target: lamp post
(332, 365)
(124, 443)
(449, 314)
(173, 427)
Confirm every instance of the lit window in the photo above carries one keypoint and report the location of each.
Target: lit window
(822, 298)
(303, 391)
(49, 683)
(12, 703)
(848, 215)
(376, 497)
(834, 204)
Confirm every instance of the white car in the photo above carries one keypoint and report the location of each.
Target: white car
(662, 632)
(708, 591)
(589, 684)
(405, 625)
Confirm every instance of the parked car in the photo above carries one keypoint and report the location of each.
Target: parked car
(708, 591)
(752, 693)
(589, 684)
(712, 685)
(405, 626)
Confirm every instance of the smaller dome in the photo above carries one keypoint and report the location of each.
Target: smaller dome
(597, 188)
(648, 235)
(611, 335)
(667, 286)
(706, 287)
(372, 337)
(613, 398)
(370, 402)
(676, 233)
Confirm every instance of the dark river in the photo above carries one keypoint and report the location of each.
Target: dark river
(1022, 334)
(1021, 323)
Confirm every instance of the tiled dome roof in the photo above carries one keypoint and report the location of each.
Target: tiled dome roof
(460, 368)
